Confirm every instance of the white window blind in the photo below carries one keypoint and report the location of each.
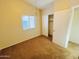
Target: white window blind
(28, 22)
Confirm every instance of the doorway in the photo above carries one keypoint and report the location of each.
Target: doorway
(50, 27)
(74, 29)
(73, 41)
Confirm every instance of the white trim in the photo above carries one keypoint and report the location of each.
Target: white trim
(70, 25)
(69, 28)
(18, 42)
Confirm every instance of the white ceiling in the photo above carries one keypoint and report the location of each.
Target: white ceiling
(39, 3)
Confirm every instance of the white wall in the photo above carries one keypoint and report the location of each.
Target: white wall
(61, 23)
(46, 11)
(74, 35)
(45, 25)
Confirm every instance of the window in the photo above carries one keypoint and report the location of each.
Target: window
(28, 22)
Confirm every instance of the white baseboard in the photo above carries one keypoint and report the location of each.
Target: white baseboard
(18, 42)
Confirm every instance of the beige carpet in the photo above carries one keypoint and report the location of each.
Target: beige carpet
(74, 50)
(37, 48)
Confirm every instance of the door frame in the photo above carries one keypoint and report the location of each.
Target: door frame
(70, 24)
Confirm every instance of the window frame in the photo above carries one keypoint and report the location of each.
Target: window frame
(29, 28)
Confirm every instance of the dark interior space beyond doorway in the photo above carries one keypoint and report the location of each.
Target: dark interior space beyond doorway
(50, 27)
